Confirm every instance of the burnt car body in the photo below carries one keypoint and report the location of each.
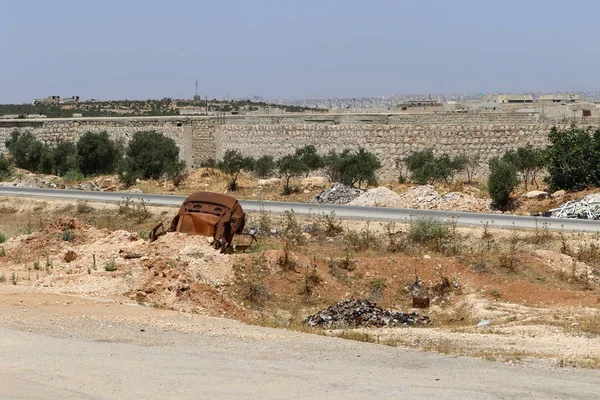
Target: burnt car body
(212, 215)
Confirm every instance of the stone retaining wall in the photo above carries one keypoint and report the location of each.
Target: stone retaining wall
(388, 135)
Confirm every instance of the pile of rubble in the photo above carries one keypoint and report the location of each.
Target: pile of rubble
(423, 197)
(99, 184)
(361, 313)
(586, 208)
(337, 194)
(31, 182)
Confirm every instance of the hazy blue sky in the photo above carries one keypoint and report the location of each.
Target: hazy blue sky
(295, 49)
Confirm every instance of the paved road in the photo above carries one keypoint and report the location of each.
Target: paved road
(369, 213)
(99, 351)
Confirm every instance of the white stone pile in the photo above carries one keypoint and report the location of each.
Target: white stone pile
(423, 197)
(586, 208)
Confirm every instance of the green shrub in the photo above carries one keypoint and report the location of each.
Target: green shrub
(2, 237)
(152, 155)
(425, 167)
(29, 153)
(176, 172)
(264, 166)
(65, 158)
(289, 167)
(128, 171)
(232, 163)
(573, 159)
(309, 159)
(73, 175)
(110, 266)
(331, 164)
(357, 167)
(208, 163)
(68, 235)
(351, 167)
(97, 154)
(502, 181)
(6, 170)
(425, 230)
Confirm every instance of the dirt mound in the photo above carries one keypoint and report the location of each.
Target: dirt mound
(173, 284)
(378, 197)
(361, 313)
(67, 223)
(175, 271)
(207, 264)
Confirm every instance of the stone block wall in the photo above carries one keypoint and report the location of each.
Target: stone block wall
(389, 136)
(52, 130)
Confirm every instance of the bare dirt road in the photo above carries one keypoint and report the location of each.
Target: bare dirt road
(56, 346)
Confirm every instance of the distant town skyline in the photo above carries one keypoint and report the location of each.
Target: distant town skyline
(295, 50)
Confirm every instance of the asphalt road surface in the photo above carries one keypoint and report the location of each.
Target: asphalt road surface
(210, 358)
(343, 211)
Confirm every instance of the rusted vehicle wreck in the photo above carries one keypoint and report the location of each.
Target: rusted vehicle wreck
(212, 215)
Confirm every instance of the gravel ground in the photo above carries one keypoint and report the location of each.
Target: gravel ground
(56, 346)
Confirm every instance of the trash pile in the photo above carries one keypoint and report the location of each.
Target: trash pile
(586, 208)
(361, 313)
(423, 197)
(337, 194)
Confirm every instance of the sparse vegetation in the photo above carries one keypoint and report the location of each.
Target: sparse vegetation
(68, 235)
(110, 266)
(291, 237)
(430, 233)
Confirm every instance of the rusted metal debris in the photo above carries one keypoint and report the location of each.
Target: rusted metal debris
(419, 299)
(362, 313)
(212, 215)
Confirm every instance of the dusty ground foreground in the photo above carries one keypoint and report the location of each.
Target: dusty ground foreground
(69, 347)
(544, 308)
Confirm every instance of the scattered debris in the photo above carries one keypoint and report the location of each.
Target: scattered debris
(586, 208)
(483, 323)
(31, 181)
(337, 194)
(419, 299)
(362, 313)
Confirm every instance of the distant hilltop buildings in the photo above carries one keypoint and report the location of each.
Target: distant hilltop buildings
(56, 100)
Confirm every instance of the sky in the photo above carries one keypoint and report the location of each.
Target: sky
(290, 49)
